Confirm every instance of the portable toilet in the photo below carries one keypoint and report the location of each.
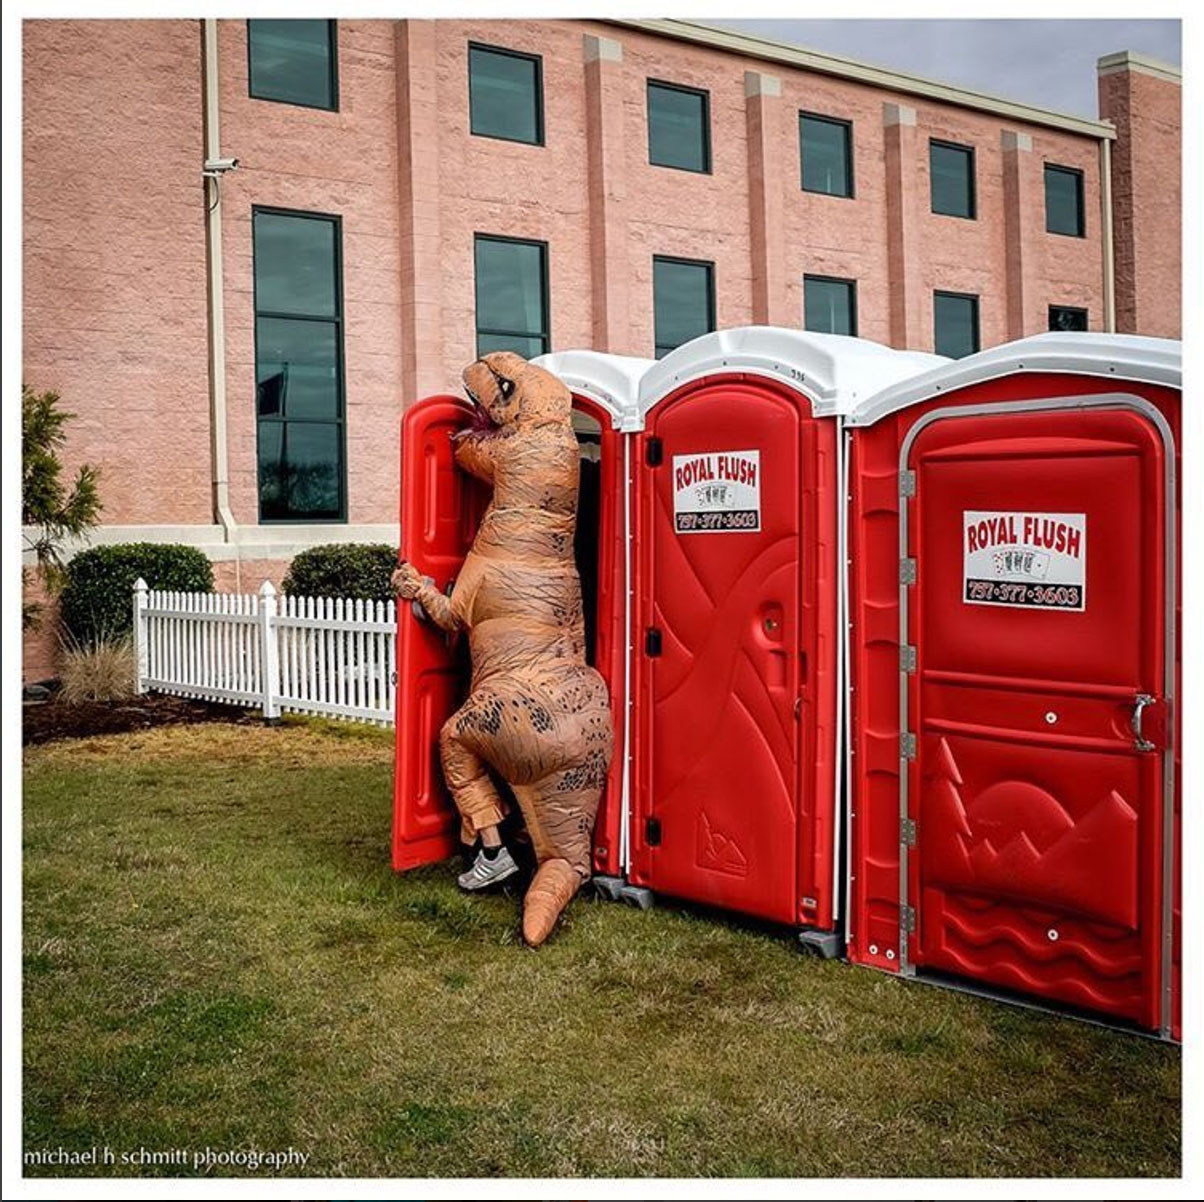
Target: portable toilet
(440, 509)
(737, 678)
(1014, 754)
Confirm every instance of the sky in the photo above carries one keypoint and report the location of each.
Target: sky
(1048, 63)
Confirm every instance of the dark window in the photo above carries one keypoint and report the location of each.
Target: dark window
(299, 388)
(826, 150)
(505, 94)
(295, 62)
(1064, 201)
(955, 324)
(952, 171)
(683, 301)
(829, 305)
(1063, 317)
(679, 127)
(512, 296)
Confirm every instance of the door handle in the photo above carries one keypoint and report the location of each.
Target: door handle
(1139, 706)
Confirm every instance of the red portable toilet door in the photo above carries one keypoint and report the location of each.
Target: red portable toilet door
(440, 509)
(720, 556)
(1038, 621)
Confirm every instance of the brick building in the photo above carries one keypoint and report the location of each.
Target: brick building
(238, 341)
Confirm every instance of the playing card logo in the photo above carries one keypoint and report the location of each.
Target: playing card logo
(1021, 563)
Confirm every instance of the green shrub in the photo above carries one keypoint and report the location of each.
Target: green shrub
(343, 570)
(97, 602)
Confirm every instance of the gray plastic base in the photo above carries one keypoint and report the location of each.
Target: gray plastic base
(825, 944)
(637, 895)
(609, 888)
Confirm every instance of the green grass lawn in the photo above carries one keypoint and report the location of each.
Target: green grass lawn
(218, 954)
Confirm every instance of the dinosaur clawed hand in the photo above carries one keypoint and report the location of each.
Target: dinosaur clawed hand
(406, 581)
(551, 891)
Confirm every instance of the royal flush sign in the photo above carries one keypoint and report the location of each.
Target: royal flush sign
(1034, 560)
(717, 492)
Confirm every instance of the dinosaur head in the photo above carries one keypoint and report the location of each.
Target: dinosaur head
(508, 391)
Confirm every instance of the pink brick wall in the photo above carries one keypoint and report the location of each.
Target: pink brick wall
(114, 256)
(114, 253)
(1147, 200)
(343, 163)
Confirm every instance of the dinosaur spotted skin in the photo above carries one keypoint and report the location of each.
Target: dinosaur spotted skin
(536, 713)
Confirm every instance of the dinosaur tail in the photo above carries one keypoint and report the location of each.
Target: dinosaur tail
(550, 892)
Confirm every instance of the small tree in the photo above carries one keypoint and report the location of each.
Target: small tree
(55, 512)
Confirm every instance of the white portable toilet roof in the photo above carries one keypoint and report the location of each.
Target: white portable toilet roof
(612, 381)
(834, 371)
(1123, 356)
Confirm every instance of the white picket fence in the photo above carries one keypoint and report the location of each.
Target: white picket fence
(317, 655)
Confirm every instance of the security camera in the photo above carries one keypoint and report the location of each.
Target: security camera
(215, 167)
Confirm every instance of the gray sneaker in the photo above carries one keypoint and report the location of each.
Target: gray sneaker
(486, 872)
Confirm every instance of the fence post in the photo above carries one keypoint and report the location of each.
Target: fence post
(141, 665)
(270, 658)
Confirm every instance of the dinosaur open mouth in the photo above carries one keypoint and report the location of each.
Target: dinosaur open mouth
(482, 420)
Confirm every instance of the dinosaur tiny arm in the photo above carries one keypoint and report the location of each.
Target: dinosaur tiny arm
(409, 585)
(450, 614)
(474, 453)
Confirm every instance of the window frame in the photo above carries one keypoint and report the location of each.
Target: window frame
(971, 152)
(1081, 197)
(850, 172)
(709, 264)
(707, 155)
(338, 321)
(545, 311)
(832, 279)
(537, 59)
(976, 298)
(333, 34)
(1068, 309)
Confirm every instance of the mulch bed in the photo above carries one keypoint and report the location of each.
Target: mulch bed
(53, 719)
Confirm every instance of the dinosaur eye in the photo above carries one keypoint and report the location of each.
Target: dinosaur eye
(506, 387)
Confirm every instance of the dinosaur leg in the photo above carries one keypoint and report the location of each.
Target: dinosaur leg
(560, 816)
(467, 777)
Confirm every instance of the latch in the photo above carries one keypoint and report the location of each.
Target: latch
(654, 452)
(1148, 723)
(652, 641)
(652, 832)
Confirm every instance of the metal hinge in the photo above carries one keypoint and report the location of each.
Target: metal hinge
(907, 658)
(654, 452)
(907, 919)
(907, 571)
(907, 483)
(907, 745)
(907, 832)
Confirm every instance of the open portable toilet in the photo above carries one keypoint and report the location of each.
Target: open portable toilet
(708, 543)
(736, 686)
(1014, 755)
(440, 508)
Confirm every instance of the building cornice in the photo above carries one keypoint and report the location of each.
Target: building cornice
(822, 62)
(1143, 64)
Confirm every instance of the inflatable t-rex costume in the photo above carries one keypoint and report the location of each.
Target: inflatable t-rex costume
(536, 712)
